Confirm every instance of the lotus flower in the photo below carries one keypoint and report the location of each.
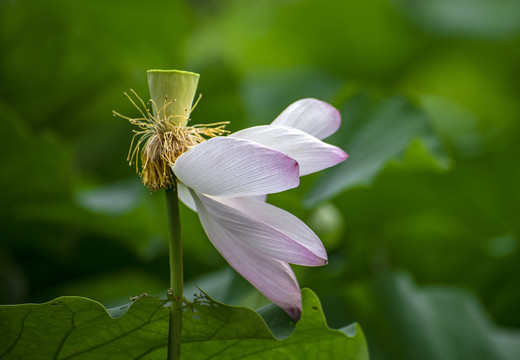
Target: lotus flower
(225, 180)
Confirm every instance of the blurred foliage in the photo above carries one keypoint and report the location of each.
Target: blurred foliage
(429, 92)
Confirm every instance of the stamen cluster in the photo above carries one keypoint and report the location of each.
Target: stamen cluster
(162, 139)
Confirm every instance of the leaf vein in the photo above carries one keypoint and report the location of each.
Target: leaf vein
(19, 335)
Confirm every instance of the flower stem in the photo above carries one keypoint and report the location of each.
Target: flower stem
(176, 274)
(172, 93)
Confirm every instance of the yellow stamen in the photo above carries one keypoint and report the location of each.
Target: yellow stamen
(162, 141)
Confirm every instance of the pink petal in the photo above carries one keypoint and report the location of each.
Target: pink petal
(282, 221)
(243, 218)
(226, 166)
(311, 153)
(273, 278)
(312, 116)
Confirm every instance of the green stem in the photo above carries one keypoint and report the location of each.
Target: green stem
(176, 274)
(172, 92)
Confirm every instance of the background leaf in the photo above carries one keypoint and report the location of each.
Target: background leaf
(394, 122)
(432, 322)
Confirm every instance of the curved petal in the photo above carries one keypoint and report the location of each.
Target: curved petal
(226, 166)
(315, 117)
(273, 278)
(311, 153)
(261, 236)
(283, 221)
(184, 195)
(260, 197)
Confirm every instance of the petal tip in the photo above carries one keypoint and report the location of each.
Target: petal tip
(344, 155)
(337, 156)
(334, 115)
(336, 119)
(295, 314)
(315, 117)
(321, 261)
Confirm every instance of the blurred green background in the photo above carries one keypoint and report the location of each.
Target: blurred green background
(421, 223)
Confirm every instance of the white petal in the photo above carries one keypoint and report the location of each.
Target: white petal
(311, 153)
(313, 116)
(260, 197)
(283, 221)
(227, 166)
(273, 278)
(185, 196)
(243, 218)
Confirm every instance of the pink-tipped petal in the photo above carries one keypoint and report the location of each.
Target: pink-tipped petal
(283, 221)
(226, 166)
(243, 218)
(311, 153)
(273, 278)
(315, 117)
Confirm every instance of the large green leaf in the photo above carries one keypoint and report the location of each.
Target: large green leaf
(74, 327)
